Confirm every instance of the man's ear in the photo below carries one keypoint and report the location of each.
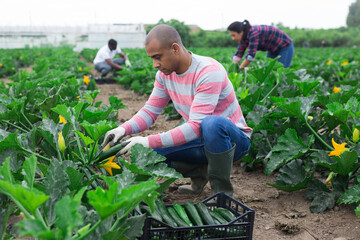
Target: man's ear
(175, 48)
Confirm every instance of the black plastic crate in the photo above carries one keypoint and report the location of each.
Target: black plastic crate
(240, 228)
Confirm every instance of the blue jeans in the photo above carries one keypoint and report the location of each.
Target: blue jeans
(218, 135)
(286, 54)
(104, 68)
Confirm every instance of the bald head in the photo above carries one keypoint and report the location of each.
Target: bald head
(165, 34)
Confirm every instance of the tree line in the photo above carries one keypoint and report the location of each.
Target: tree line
(340, 37)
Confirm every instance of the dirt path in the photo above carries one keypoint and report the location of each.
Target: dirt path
(278, 215)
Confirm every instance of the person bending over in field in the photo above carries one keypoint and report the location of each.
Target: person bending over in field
(263, 38)
(103, 61)
(215, 133)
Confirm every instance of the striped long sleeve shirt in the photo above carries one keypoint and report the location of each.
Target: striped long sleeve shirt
(204, 89)
(263, 38)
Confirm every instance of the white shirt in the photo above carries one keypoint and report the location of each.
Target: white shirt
(105, 53)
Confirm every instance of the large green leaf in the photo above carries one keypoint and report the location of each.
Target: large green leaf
(335, 114)
(353, 106)
(35, 228)
(297, 107)
(86, 140)
(116, 103)
(64, 111)
(346, 163)
(9, 141)
(352, 195)
(71, 114)
(108, 202)
(251, 99)
(50, 100)
(14, 111)
(5, 172)
(145, 161)
(292, 177)
(322, 197)
(130, 228)
(98, 129)
(67, 216)
(29, 199)
(56, 184)
(288, 147)
(75, 178)
(93, 114)
(307, 86)
(29, 171)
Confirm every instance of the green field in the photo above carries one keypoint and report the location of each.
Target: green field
(51, 129)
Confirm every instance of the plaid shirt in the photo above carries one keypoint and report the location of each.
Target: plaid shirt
(263, 38)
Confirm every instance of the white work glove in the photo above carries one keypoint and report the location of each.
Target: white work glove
(127, 63)
(131, 142)
(113, 136)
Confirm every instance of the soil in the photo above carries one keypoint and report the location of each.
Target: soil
(278, 215)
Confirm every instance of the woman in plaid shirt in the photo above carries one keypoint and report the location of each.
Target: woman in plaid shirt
(263, 38)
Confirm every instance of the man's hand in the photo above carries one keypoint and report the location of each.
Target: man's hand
(113, 136)
(132, 141)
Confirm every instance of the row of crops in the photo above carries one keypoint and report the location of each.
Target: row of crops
(305, 120)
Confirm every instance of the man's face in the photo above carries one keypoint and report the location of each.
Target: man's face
(164, 59)
(112, 47)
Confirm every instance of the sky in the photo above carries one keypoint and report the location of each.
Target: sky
(207, 14)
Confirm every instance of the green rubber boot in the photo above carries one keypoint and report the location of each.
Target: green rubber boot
(219, 169)
(197, 173)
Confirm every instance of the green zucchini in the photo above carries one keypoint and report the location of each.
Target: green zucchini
(146, 210)
(160, 207)
(217, 217)
(225, 213)
(108, 153)
(204, 213)
(193, 214)
(182, 214)
(176, 217)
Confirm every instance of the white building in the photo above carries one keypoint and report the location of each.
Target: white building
(91, 36)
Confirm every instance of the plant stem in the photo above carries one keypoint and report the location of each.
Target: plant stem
(37, 155)
(276, 85)
(318, 137)
(22, 209)
(24, 126)
(27, 120)
(38, 216)
(84, 160)
(94, 173)
(89, 231)
(115, 224)
(92, 151)
(15, 126)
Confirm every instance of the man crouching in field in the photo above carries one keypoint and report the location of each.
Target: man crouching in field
(215, 133)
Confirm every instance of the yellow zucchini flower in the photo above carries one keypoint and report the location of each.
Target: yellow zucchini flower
(109, 165)
(356, 135)
(62, 119)
(339, 148)
(336, 89)
(86, 79)
(61, 142)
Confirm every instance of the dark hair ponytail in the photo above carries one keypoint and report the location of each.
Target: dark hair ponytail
(239, 27)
